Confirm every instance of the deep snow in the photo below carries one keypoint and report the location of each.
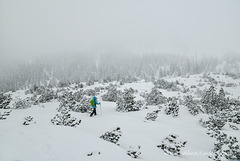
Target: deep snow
(43, 141)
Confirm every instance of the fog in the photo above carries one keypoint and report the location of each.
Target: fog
(36, 27)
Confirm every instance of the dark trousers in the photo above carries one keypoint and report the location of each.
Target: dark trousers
(94, 112)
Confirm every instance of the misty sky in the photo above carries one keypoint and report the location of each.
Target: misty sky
(33, 27)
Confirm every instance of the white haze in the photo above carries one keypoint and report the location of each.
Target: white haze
(35, 27)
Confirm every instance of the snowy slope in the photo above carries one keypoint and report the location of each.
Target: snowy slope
(43, 141)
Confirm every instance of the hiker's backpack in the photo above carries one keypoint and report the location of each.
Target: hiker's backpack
(92, 102)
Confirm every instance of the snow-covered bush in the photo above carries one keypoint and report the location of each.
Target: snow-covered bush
(5, 99)
(225, 148)
(90, 92)
(112, 136)
(22, 104)
(47, 95)
(90, 83)
(152, 116)
(111, 94)
(28, 120)
(82, 106)
(210, 79)
(213, 123)
(134, 152)
(230, 85)
(125, 101)
(62, 84)
(172, 108)
(234, 117)
(5, 115)
(64, 118)
(233, 127)
(162, 84)
(36, 90)
(172, 145)
(155, 97)
(213, 102)
(74, 101)
(193, 106)
(193, 86)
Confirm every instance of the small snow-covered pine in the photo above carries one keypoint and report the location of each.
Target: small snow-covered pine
(152, 116)
(112, 136)
(225, 148)
(155, 97)
(193, 105)
(213, 123)
(28, 120)
(5, 99)
(111, 94)
(64, 118)
(5, 115)
(134, 152)
(163, 84)
(172, 108)
(172, 145)
(125, 101)
(74, 101)
(22, 103)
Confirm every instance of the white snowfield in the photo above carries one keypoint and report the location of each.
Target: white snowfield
(43, 141)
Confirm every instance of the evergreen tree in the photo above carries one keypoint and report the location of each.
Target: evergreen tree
(125, 101)
(155, 97)
(113, 136)
(5, 99)
(171, 145)
(111, 94)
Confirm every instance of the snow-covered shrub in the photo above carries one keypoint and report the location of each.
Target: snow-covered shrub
(172, 145)
(5, 115)
(213, 123)
(111, 94)
(162, 84)
(90, 92)
(36, 90)
(152, 116)
(234, 117)
(64, 118)
(185, 89)
(193, 105)
(93, 153)
(233, 127)
(76, 101)
(134, 152)
(125, 101)
(213, 102)
(201, 84)
(112, 136)
(5, 99)
(230, 85)
(155, 97)
(28, 120)
(225, 148)
(22, 104)
(47, 95)
(82, 106)
(172, 108)
(62, 84)
(80, 85)
(210, 79)
(193, 86)
(90, 83)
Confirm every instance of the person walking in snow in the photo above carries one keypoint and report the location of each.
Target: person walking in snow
(94, 104)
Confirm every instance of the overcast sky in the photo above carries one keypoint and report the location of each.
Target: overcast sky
(33, 27)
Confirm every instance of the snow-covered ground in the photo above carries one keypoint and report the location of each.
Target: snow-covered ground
(43, 141)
